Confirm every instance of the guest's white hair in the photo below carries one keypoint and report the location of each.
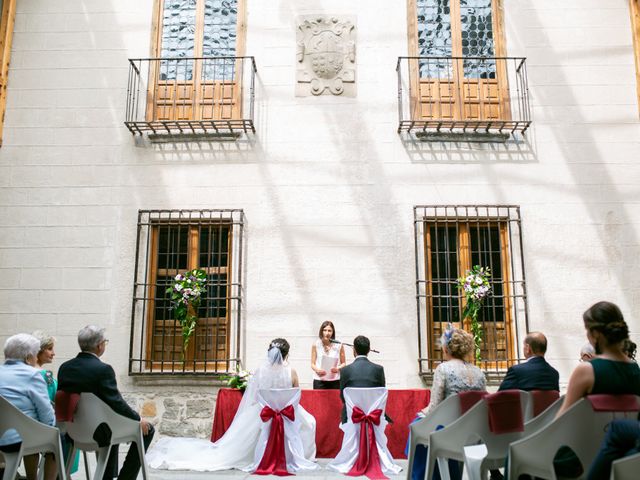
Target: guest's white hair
(21, 347)
(90, 337)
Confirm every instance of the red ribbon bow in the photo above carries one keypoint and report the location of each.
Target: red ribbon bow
(368, 461)
(273, 460)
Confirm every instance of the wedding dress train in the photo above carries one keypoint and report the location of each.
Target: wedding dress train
(237, 446)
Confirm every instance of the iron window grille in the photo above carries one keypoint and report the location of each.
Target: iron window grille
(449, 240)
(175, 241)
(191, 96)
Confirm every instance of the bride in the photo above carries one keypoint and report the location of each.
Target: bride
(237, 446)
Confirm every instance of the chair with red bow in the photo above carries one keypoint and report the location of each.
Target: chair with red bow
(581, 428)
(283, 447)
(364, 444)
(488, 427)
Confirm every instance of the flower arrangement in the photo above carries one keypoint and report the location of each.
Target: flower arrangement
(186, 293)
(476, 287)
(238, 380)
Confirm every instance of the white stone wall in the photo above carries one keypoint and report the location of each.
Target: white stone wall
(326, 184)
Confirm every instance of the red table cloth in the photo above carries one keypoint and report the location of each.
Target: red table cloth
(325, 406)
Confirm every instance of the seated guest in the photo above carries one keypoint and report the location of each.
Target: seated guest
(87, 373)
(452, 376)
(535, 373)
(362, 373)
(22, 385)
(455, 374)
(610, 372)
(587, 352)
(622, 439)
(44, 357)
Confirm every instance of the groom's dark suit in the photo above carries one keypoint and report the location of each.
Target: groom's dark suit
(361, 373)
(87, 373)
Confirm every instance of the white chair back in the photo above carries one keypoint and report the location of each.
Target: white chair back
(36, 438)
(470, 429)
(626, 468)
(443, 414)
(90, 414)
(579, 428)
(368, 400)
(297, 459)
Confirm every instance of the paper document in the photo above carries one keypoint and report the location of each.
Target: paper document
(327, 363)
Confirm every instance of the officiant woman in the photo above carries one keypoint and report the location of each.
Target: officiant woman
(327, 359)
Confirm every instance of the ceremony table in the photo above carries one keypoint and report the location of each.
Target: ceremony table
(325, 406)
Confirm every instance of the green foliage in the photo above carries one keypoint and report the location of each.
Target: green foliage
(476, 288)
(185, 294)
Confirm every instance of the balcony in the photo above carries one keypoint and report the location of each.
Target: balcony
(209, 96)
(471, 98)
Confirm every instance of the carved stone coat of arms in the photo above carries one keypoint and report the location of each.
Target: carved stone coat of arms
(326, 55)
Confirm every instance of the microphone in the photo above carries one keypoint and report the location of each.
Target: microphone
(350, 345)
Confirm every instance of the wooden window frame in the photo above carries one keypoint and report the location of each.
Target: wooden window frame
(634, 8)
(193, 254)
(464, 264)
(437, 297)
(7, 22)
(155, 347)
(458, 99)
(195, 100)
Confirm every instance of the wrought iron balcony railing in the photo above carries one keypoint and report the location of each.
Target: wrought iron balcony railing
(462, 95)
(208, 95)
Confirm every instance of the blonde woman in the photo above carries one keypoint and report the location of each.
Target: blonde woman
(455, 374)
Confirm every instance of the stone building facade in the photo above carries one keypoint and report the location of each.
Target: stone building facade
(326, 205)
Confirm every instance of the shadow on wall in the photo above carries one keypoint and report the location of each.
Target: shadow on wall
(517, 150)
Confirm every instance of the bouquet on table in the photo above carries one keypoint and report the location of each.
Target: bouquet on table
(476, 288)
(238, 380)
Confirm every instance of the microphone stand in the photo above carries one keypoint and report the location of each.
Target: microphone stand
(351, 345)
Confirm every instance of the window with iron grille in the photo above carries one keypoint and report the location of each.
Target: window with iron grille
(449, 240)
(176, 241)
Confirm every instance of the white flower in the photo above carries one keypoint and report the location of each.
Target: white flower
(178, 287)
(179, 277)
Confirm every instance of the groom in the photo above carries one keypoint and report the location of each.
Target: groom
(361, 373)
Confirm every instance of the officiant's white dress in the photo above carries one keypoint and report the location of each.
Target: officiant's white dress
(236, 447)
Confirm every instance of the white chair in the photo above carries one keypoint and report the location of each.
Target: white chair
(372, 402)
(298, 451)
(36, 438)
(92, 412)
(445, 413)
(579, 428)
(626, 468)
(472, 429)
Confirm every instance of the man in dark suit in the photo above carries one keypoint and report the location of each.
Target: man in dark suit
(535, 373)
(87, 373)
(361, 373)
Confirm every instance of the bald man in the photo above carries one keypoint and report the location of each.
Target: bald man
(535, 373)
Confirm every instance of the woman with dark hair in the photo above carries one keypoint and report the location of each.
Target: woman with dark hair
(327, 359)
(611, 371)
(237, 447)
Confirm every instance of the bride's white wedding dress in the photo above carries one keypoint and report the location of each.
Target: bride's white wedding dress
(237, 446)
